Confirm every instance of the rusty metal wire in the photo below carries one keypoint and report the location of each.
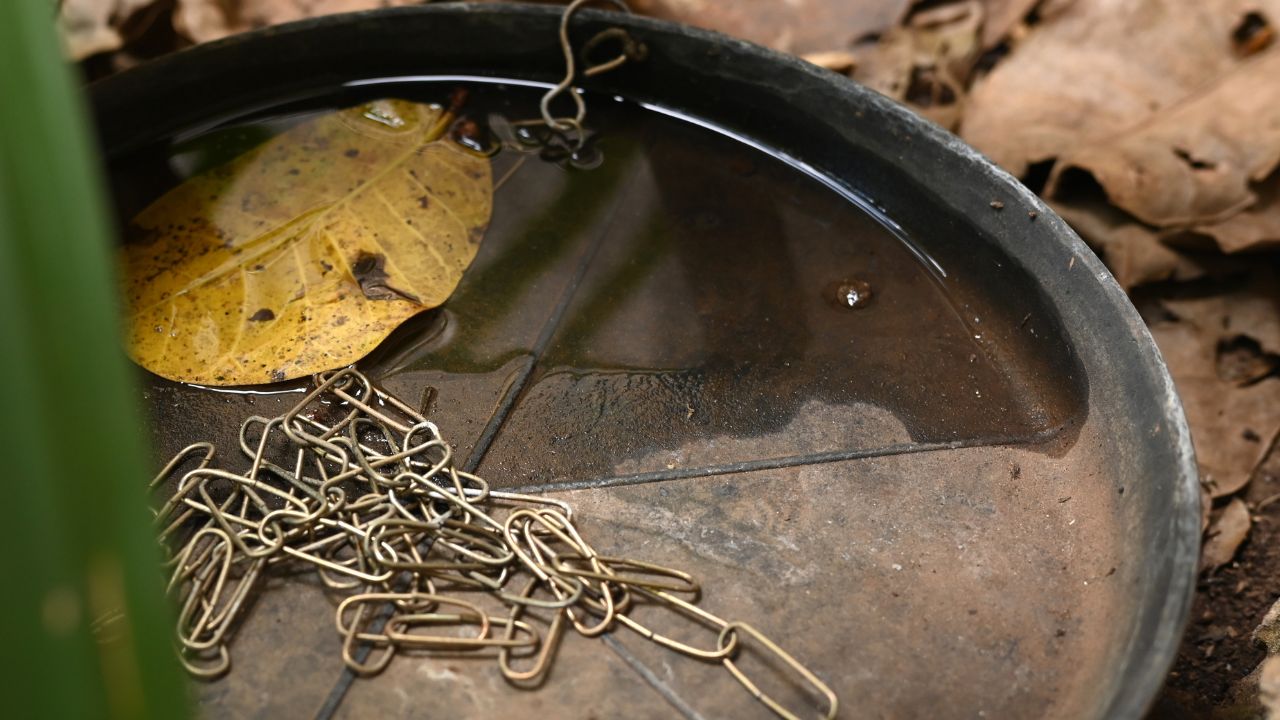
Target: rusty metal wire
(360, 487)
(569, 132)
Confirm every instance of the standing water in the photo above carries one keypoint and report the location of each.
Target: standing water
(673, 299)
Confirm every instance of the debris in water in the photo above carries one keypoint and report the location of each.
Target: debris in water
(852, 294)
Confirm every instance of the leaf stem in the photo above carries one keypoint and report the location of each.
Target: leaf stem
(456, 100)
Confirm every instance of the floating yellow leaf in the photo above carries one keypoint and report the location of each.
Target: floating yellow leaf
(304, 253)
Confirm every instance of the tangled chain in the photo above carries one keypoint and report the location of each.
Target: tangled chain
(358, 485)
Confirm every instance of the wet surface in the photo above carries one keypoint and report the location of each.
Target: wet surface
(970, 596)
(667, 340)
(682, 293)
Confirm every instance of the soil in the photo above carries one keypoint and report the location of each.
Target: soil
(1218, 650)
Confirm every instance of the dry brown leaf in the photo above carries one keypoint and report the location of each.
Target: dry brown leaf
(1268, 632)
(1136, 257)
(90, 27)
(1269, 687)
(1256, 228)
(1251, 310)
(1001, 17)
(1132, 251)
(798, 26)
(885, 65)
(1206, 507)
(1230, 424)
(1225, 534)
(1099, 67)
(1138, 254)
(205, 20)
(1224, 418)
(1193, 162)
(304, 253)
(840, 61)
(926, 62)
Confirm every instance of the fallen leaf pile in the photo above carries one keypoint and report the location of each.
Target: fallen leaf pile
(1152, 126)
(90, 27)
(124, 32)
(205, 20)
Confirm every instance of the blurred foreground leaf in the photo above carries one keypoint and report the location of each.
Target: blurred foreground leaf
(79, 537)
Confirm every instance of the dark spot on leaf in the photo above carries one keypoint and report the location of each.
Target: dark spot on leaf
(294, 171)
(366, 263)
(351, 152)
(277, 376)
(262, 315)
(325, 266)
(253, 201)
(1193, 162)
(370, 272)
(423, 202)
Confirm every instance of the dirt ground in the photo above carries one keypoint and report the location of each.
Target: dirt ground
(1218, 650)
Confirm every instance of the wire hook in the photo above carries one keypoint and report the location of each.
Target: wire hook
(631, 50)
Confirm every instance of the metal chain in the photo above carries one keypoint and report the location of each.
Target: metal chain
(362, 488)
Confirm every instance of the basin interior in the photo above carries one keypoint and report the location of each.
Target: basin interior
(911, 495)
